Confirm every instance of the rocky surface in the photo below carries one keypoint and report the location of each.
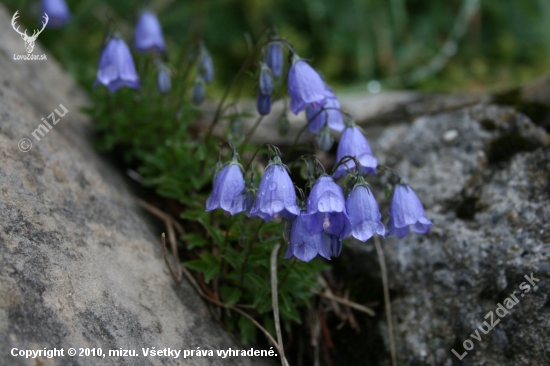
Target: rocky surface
(79, 267)
(483, 174)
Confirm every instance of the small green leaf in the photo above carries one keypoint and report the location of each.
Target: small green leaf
(248, 330)
(230, 295)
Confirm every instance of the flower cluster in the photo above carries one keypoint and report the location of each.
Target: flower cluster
(116, 64)
(320, 223)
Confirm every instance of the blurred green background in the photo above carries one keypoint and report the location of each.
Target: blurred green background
(453, 45)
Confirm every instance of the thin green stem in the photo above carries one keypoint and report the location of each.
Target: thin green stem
(248, 251)
(249, 135)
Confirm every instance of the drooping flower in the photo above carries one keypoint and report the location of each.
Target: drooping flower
(326, 208)
(354, 143)
(198, 91)
(228, 192)
(364, 213)
(164, 83)
(263, 104)
(406, 212)
(305, 86)
(58, 12)
(266, 81)
(274, 58)
(329, 114)
(148, 33)
(206, 66)
(116, 66)
(302, 244)
(276, 196)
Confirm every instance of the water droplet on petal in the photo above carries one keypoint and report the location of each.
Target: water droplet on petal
(273, 186)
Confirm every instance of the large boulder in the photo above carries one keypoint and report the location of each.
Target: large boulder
(79, 266)
(483, 174)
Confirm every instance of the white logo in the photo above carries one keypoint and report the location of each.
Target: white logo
(29, 40)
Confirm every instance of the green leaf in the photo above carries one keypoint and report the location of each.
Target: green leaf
(194, 240)
(248, 330)
(230, 295)
(209, 265)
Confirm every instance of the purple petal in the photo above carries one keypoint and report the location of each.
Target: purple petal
(305, 86)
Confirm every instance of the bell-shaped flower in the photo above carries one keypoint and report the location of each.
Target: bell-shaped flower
(406, 212)
(276, 196)
(353, 143)
(263, 104)
(57, 11)
(148, 33)
(116, 66)
(228, 192)
(329, 114)
(305, 86)
(302, 244)
(326, 208)
(274, 58)
(206, 65)
(364, 213)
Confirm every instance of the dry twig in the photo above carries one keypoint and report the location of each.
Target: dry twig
(386, 298)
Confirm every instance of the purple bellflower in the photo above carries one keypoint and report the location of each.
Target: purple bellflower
(302, 244)
(354, 143)
(364, 213)
(305, 86)
(263, 104)
(326, 208)
(406, 212)
(331, 116)
(206, 66)
(229, 190)
(116, 66)
(58, 12)
(274, 58)
(276, 196)
(148, 33)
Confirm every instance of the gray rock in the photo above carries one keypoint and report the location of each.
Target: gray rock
(79, 267)
(487, 191)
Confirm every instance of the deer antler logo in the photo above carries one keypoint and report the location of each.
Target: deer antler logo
(29, 40)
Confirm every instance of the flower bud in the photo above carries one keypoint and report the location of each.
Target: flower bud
(274, 58)
(263, 104)
(198, 91)
(283, 125)
(164, 83)
(266, 82)
(324, 139)
(206, 66)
